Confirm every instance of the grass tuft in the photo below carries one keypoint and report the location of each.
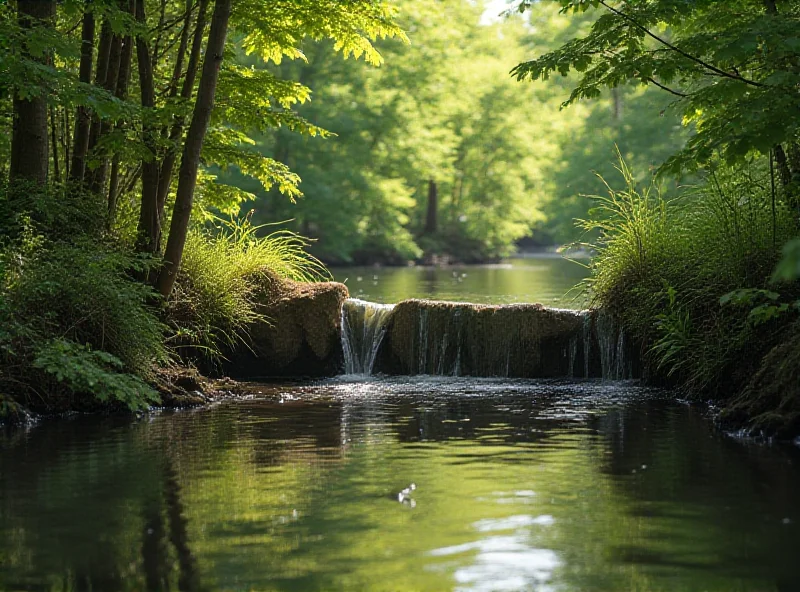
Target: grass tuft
(663, 267)
(224, 269)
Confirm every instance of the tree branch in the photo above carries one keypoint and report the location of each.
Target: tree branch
(688, 56)
(666, 88)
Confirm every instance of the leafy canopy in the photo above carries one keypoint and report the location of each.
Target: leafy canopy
(732, 66)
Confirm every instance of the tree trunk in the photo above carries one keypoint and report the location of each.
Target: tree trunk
(103, 55)
(54, 143)
(65, 140)
(99, 175)
(149, 239)
(183, 45)
(190, 161)
(616, 101)
(30, 155)
(83, 117)
(784, 171)
(123, 82)
(167, 166)
(431, 222)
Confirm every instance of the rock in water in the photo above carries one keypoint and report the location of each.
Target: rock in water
(449, 338)
(302, 335)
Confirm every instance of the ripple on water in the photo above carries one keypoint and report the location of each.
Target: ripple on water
(519, 485)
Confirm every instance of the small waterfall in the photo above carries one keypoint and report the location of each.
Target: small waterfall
(460, 339)
(456, 339)
(364, 325)
(601, 349)
(615, 361)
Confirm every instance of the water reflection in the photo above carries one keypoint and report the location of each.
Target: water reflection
(548, 279)
(518, 486)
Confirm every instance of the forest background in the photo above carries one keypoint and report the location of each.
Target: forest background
(164, 159)
(440, 152)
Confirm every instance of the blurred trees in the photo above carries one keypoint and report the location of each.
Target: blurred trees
(442, 117)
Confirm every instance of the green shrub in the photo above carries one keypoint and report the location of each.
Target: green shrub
(60, 212)
(662, 267)
(74, 325)
(223, 270)
(80, 369)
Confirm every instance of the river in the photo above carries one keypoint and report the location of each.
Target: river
(402, 484)
(548, 279)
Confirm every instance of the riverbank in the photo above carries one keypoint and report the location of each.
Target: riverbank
(708, 286)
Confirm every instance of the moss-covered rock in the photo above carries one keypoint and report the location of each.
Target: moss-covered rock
(11, 412)
(302, 336)
(770, 403)
(521, 340)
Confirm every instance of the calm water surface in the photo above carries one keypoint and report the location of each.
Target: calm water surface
(548, 279)
(519, 486)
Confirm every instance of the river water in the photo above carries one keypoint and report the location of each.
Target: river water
(518, 485)
(549, 279)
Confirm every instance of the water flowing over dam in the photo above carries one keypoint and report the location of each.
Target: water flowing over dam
(363, 327)
(457, 339)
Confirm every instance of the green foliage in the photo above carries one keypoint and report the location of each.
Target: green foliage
(81, 369)
(225, 268)
(665, 266)
(71, 313)
(788, 268)
(506, 161)
(441, 109)
(732, 65)
(58, 212)
(73, 322)
(677, 340)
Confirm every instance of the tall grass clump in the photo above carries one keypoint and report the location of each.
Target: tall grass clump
(664, 268)
(225, 269)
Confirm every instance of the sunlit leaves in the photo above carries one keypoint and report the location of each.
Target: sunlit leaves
(224, 147)
(733, 64)
(275, 31)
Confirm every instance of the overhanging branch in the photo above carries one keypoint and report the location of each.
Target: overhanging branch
(688, 56)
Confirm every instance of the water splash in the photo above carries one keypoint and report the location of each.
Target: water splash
(364, 326)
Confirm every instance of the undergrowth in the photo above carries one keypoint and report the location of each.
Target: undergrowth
(74, 327)
(77, 327)
(691, 278)
(224, 269)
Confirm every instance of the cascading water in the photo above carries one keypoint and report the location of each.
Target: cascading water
(601, 350)
(364, 325)
(456, 339)
(615, 363)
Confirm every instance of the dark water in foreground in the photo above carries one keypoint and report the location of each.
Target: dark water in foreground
(519, 486)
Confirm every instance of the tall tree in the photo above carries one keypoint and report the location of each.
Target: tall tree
(190, 161)
(149, 234)
(30, 155)
(83, 117)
